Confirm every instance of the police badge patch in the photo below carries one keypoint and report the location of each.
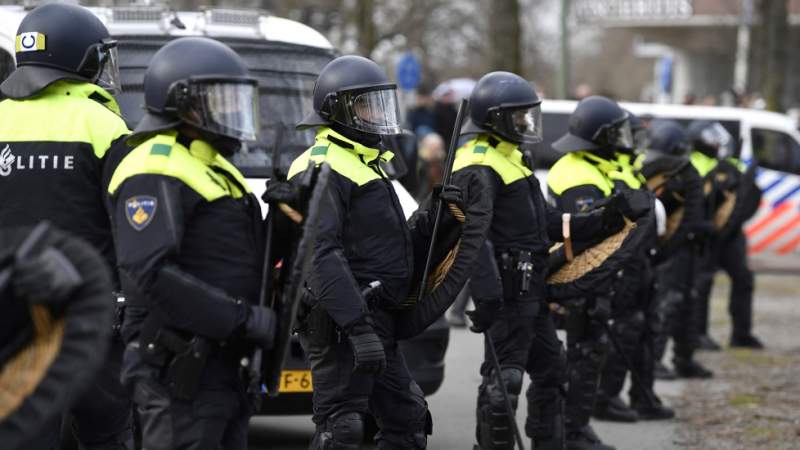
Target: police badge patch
(584, 204)
(140, 211)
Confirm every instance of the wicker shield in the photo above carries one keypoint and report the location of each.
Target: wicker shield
(454, 258)
(740, 203)
(680, 189)
(51, 367)
(595, 263)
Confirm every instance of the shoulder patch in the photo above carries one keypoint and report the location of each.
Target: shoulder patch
(140, 211)
(584, 204)
(479, 149)
(160, 149)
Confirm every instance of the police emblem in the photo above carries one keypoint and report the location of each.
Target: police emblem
(584, 204)
(140, 211)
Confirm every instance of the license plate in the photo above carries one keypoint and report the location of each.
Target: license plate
(296, 381)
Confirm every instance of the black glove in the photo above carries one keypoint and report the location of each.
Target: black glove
(632, 203)
(260, 326)
(48, 278)
(484, 315)
(281, 192)
(367, 348)
(449, 194)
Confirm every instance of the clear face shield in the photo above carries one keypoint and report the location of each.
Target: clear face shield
(223, 107)
(617, 135)
(101, 65)
(522, 126)
(716, 136)
(374, 111)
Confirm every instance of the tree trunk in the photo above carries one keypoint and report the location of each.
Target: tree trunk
(365, 26)
(777, 27)
(505, 35)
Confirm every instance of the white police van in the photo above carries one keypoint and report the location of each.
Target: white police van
(770, 139)
(286, 57)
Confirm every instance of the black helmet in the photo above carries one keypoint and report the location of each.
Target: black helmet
(668, 148)
(668, 137)
(59, 41)
(598, 123)
(211, 91)
(711, 138)
(505, 104)
(354, 92)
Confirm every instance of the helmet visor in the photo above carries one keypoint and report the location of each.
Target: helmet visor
(108, 77)
(376, 112)
(522, 125)
(716, 136)
(618, 135)
(226, 108)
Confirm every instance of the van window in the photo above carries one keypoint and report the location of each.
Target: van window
(775, 150)
(286, 74)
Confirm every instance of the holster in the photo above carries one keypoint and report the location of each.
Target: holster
(184, 359)
(516, 273)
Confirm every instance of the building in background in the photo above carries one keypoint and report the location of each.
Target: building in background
(698, 49)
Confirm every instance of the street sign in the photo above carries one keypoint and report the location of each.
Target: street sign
(409, 72)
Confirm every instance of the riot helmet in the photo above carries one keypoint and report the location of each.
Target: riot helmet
(354, 95)
(211, 92)
(711, 138)
(505, 104)
(668, 149)
(598, 124)
(60, 41)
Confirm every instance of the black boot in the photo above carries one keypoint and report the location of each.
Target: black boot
(653, 409)
(614, 410)
(747, 341)
(691, 369)
(705, 342)
(585, 439)
(663, 372)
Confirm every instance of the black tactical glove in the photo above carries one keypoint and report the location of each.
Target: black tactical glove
(633, 204)
(48, 278)
(484, 315)
(449, 194)
(260, 326)
(367, 348)
(281, 192)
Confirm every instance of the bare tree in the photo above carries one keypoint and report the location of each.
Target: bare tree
(775, 18)
(505, 35)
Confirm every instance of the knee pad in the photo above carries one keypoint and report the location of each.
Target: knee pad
(341, 432)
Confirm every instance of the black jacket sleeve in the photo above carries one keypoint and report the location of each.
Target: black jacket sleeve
(332, 282)
(146, 251)
(485, 282)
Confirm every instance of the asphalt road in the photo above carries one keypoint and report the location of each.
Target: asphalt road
(453, 409)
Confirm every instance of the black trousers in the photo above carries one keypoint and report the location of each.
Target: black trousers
(525, 338)
(101, 417)
(392, 397)
(587, 349)
(729, 255)
(217, 418)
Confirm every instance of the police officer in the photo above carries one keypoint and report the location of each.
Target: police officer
(677, 296)
(362, 240)
(634, 312)
(189, 233)
(56, 127)
(508, 284)
(729, 252)
(586, 176)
